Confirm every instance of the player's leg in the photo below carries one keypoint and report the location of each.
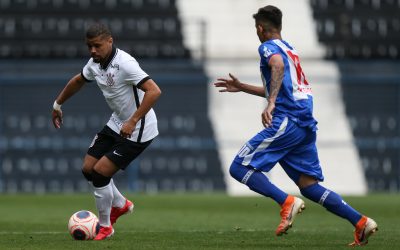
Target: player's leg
(260, 154)
(257, 181)
(122, 154)
(334, 203)
(119, 200)
(104, 142)
(302, 166)
(120, 204)
(103, 193)
(98, 170)
(313, 190)
(101, 144)
(87, 168)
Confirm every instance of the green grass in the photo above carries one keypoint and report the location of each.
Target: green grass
(213, 221)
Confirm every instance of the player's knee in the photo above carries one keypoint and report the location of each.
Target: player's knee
(87, 175)
(237, 171)
(100, 180)
(304, 192)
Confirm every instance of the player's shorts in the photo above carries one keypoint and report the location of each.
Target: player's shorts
(119, 150)
(284, 142)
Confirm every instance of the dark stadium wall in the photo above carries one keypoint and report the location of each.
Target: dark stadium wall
(362, 37)
(41, 51)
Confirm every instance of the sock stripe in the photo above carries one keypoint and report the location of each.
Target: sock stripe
(247, 176)
(323, 197)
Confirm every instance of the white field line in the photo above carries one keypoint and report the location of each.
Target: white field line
(147, 231)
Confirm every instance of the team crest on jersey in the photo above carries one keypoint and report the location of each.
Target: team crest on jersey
(110, 81)
(267, 52)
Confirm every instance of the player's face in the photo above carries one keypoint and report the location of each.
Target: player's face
(100, 48)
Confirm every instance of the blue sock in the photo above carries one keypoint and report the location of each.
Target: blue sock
(257, 182)
(331, 201)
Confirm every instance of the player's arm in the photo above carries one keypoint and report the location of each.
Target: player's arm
(73, 86)
(277, 69)
(151, 93)
(234, 85)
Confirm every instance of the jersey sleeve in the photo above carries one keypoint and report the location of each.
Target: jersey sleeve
(267, 50)
(86, 73)
(133, 73)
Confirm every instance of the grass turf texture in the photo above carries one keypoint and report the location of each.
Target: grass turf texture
(212, 221)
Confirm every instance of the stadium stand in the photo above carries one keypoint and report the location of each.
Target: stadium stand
(42, 46)
(358, 29)
(55, 28)
(363, 39)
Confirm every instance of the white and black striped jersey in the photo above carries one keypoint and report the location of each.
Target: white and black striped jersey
(119, 79)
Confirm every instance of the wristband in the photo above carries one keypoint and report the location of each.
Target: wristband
(56, 106)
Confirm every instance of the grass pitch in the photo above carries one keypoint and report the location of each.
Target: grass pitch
(188, 221)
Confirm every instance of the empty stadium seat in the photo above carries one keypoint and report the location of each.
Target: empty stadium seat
(56, 28)
(358, 29)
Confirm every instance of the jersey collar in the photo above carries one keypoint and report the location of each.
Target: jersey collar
(110, 58)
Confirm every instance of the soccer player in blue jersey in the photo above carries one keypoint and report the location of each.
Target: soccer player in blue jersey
(289, 135)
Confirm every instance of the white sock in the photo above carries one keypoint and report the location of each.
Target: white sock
(104, 196)
(119, 199)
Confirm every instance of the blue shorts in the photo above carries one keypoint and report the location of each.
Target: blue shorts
(284, 142)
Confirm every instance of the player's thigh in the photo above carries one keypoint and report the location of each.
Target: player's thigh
(292, 172)
(88, 163)
(301, 179)
(101, 144)
(125, 151)
(303, 159)
(269, 146)
(105, 167)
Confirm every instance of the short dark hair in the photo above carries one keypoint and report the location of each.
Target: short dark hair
(97, 29)
(271, 15)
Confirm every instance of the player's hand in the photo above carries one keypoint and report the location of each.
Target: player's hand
(266, 116)
(127, 129)
(228, 85)
(57, 118)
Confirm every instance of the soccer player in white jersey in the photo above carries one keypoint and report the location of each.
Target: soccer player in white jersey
(131, 94)
(289, 135)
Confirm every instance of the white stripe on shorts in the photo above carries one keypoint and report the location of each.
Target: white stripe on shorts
(265, 143)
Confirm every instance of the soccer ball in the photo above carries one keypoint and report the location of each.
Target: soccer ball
(83, 225)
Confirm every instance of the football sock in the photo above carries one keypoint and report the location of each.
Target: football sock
(104, 196)
(119, 199)
(257, 182)
(331, 201)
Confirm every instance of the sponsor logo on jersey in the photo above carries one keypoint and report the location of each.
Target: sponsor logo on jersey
(116, 122)
(267, 52)
(115, 66)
